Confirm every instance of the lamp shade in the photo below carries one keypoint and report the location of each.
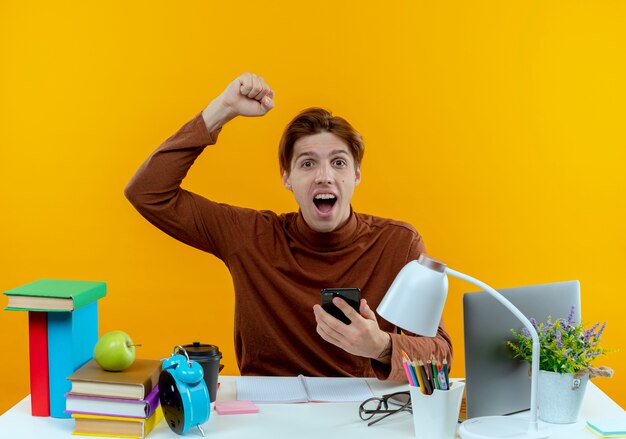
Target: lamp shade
(416, 297)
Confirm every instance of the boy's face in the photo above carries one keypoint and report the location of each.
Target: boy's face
(322, 178)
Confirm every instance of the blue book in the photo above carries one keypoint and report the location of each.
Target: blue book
(71, 339)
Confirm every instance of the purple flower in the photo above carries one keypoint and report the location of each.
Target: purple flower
(589, 332)
(534, 322)
(525, 332)
(559, 342)
(566, 353)
(570, 316)
(597, 337)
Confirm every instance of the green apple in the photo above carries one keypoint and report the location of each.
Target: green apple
(114, 351)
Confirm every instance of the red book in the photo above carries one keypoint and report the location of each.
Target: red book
(38, 350)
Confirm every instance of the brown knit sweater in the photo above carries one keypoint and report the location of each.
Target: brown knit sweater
(279, 265)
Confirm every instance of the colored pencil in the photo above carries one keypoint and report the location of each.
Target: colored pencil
(426, 379)
(413, 374)
(409, 377)
(420, 380)
(433, 373)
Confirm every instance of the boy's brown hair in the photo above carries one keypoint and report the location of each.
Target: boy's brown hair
(315, 121)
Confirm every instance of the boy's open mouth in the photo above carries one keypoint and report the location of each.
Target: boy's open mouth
(324, 202)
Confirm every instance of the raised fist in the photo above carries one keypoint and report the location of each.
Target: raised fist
(247, 95)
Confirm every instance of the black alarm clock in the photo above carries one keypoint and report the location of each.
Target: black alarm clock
(183, 393)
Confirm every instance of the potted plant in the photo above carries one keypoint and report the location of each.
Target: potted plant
(567, 351)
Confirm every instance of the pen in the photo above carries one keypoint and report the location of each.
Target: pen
(441, 377)
(445, 371)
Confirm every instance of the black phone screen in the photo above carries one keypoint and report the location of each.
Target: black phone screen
(352, 296)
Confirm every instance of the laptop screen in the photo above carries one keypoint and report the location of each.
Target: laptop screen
(497, 384)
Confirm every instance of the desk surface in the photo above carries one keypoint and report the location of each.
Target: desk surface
(277, 421)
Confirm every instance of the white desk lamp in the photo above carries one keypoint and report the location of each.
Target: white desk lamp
(415, 302)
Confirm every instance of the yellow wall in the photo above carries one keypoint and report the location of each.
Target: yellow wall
(495, 128)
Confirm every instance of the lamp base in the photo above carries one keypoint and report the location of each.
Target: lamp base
(499, 427)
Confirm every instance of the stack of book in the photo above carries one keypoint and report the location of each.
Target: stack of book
(607, 427)
(62, 330)
(120, 404)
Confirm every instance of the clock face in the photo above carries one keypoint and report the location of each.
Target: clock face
(171, 402)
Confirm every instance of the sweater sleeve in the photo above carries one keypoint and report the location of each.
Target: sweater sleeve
(415, 346)
(155, 192)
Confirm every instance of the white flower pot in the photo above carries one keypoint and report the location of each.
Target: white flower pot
(560, 397)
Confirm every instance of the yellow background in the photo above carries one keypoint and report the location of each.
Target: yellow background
(496, 128)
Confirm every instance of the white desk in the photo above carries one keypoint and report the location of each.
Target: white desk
(275, 421)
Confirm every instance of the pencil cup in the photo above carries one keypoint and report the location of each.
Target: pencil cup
(437, 415)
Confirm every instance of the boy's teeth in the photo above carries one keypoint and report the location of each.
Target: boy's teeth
(324, 196)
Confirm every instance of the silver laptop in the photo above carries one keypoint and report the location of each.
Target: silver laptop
(497, 384)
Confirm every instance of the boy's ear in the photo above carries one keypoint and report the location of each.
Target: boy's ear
(357, 173)
(286, 180)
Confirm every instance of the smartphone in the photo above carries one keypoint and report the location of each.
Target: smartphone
(352, 296)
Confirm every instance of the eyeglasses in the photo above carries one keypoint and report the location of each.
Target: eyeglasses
(377, 406)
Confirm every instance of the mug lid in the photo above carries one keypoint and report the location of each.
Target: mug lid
(197, 349)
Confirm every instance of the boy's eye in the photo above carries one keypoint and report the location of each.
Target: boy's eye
(307, 164)
(340, 162)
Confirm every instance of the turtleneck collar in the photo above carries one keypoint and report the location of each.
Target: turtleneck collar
(327, 241)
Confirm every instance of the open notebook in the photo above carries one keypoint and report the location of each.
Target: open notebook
(302, 389)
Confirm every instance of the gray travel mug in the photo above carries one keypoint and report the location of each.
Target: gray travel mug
(208, 356)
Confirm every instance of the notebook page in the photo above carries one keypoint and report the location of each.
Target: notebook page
(270, 389)
(337, 389)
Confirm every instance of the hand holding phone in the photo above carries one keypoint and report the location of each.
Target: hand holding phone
(352, 296)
